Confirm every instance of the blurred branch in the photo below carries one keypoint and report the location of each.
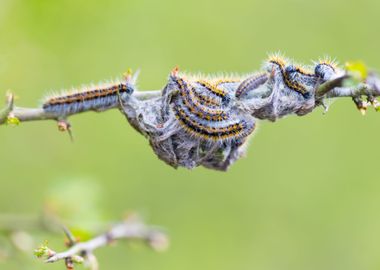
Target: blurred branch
(18, 228)
(17, 231)
(14, 222)
(78, 252)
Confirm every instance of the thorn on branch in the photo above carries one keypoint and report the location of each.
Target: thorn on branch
(71, 240)
(64, 125)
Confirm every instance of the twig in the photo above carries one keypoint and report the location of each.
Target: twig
(335, 88)
(83, 251)
(35, 114)
(325, 88)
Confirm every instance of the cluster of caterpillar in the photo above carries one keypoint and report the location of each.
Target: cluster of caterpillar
(214, 122)
(203, 107)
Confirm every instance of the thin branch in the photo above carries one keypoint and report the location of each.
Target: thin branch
(335, 88)
(131, 229)
(328, 86)
(36, 114)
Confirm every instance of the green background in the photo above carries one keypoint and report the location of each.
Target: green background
(305, 197)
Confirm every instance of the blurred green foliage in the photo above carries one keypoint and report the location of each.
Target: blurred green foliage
(306, 196)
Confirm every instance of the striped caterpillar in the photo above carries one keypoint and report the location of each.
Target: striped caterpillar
(205, 121)
(96, 98)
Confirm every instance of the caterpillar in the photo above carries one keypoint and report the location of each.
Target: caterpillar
(251, 83)
(95, 98)
(280, 65)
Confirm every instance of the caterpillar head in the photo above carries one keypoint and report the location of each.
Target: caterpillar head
(325, 70)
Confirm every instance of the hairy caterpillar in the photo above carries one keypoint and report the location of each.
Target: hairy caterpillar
(95, 98)
(251, 83)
